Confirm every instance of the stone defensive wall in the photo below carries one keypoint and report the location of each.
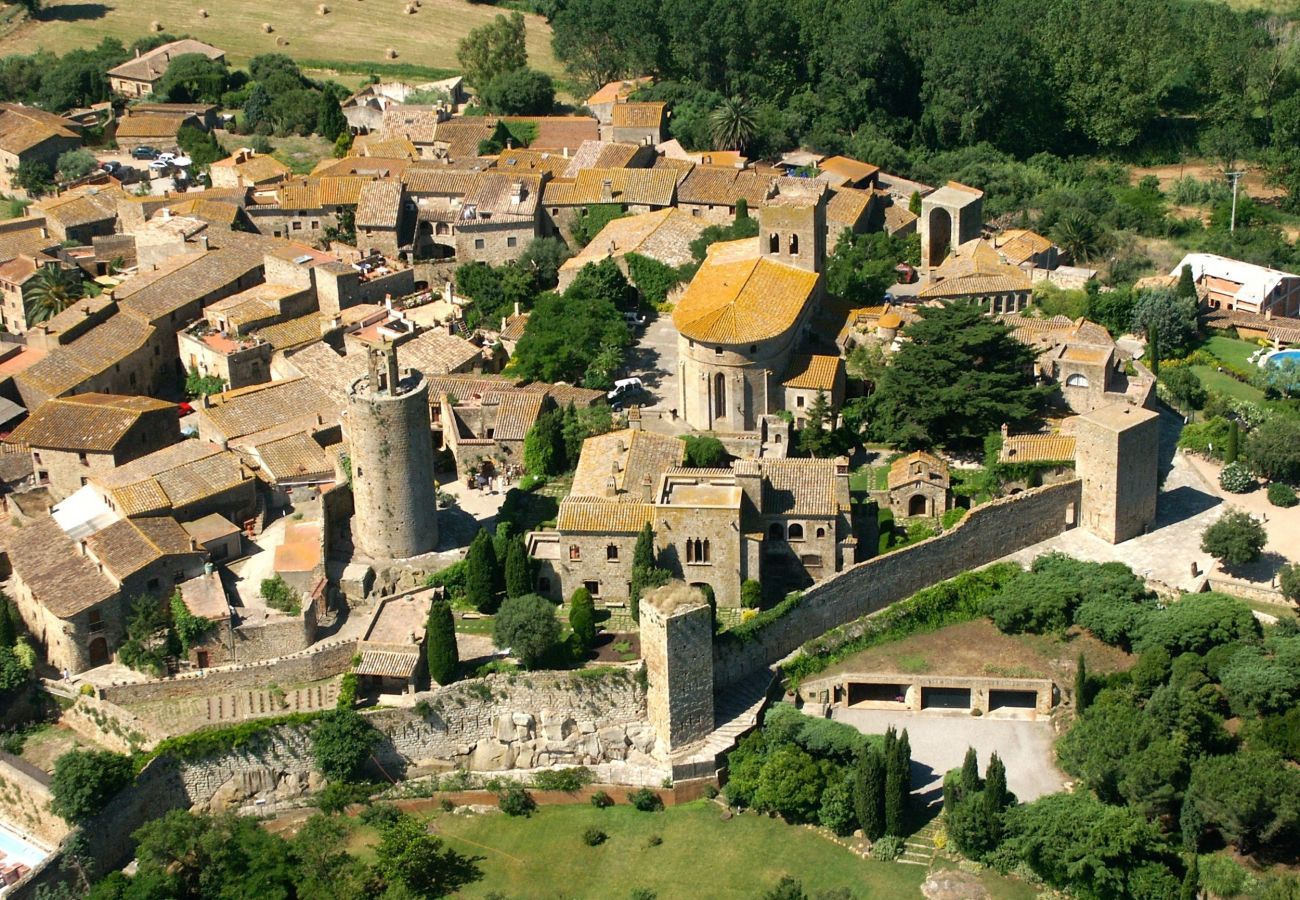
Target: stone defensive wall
(24, 796)
(985, 534)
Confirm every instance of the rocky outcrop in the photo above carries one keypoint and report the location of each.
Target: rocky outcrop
(263, 784)
(520, 741)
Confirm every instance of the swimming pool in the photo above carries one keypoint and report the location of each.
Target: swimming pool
(15, 849)
(1280, 356)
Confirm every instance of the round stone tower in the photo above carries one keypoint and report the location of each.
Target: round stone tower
(392, 460)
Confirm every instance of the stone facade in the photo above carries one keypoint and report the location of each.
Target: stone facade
(1117, 457)
(950, 216)
(392, 460)
(677, 645)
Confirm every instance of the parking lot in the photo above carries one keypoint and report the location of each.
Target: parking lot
(139, 172)
(939, 743)
(653, 359)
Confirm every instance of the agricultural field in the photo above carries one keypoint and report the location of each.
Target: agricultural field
(354, 31)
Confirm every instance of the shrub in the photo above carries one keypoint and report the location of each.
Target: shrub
(887, 848)
(1236, 539)
(582, 618)
(645, 800)
(85, 780)
(1282, 495)
(341, 744)
(751, 594)
(952, 517)
(278, 595)
(528, 627)
(567, 780)
(601, 800)
(337, 796)
(347, 691)
(704, 451)
(379, 815)
(514, 800)
(654, 840)
(1236, 478)
(594, 837)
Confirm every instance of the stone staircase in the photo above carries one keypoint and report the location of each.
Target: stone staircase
(735, 711)
(919, 849)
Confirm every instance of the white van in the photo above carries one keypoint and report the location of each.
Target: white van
(623, 387)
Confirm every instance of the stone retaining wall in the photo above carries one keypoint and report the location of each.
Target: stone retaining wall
(987, 533)
(111, 726)
(24, 796)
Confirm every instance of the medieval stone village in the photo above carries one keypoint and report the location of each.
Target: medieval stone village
(534, 454)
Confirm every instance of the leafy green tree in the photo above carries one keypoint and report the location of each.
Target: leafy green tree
(1198, 623)
(1185, 387)
(197, 385)
(440, 643)
(1235, 539)
(409, 857)
(76, 164)
(199, 145)
(191, 630)
(1251, 799)
(751, 594)
(50, 292)
(527, 626)
(703, 451)
(492, 50)
(341, 744)
(861, 268)
(1288, 579)
(582, 618)
(1259, 683)
(325, 868)
(544, 445)
(519, 576)
(1174, 318)
(481, 572)
(1273, 449)
(645, 575)
(814, 438)
(959, 377)
(599, 41)
(189, 855)
(193, 78)
(85, 780)
(520, 92)
(544, 256)
(566, 332)
(732, 124)
(791, 784)
(331, 124)
(257, 108)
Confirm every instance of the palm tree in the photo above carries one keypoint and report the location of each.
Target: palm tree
(731, 124)
(50, 292)
(1077, 235)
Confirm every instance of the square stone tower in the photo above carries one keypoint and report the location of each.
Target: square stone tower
(792, 227)
(1117, 458)
(677, 645)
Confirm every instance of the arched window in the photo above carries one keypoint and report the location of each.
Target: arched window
(705, 557)
(611, 552)
(575, 552)
(774, 243)
(1077, 380)
(775, 531)
(821, 532)
(697, 551)
(796, 532)
(719, 396)
(794, 245)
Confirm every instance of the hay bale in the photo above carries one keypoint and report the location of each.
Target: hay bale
(281, 42)
(322, 10)
(155, 25)
(390, 53)
(410, 9)
(203, 14)
(266, 28)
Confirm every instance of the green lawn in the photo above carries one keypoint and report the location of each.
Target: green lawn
(1233, 351)
(1223, 383)
(700, 855)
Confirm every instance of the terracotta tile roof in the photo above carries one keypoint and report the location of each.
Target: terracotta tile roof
(72, 364)
(513, 161)
(638, 115)
(292, 333)
(649, 187)
(152, 65)
(294, 458)
(81, 206)
(495, 194)
(564, 394)
(1019, 245)
(813, 372)
(634, 459)
(379, 205)
(515, 326)
(151, 126)
(440, 181)
(516, 414)
(974, 269)
(91, 422)
(129, 545)
(361, 167)
(799, 487)
(1037, 448)
(664, 234)
(59, 577)
(418, 124)
(848, 168)
(262, 168)
(618, 90)
(592, 515)
(18, 270)
(23, 127)
(559, 132)
(847, 206)
(210, 527)
(435, 353)
(245, 411)
(387, 663)
(19, 237)
(898, 217)
(742, 300)
(899, 469)
(601, 155)
(172, 478)
(723, 186)
(184, 279)
(378, 145)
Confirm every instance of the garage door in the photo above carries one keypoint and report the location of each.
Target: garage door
(1013, 699)
(945, 698)
(876, 693)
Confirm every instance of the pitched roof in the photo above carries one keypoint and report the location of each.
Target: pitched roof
(638, 115)
(172, 478)
(72, 364)
(184, 279)
(847, 167)
(59, 577)
(724, 186)
(23, 127)
(20, 237)
(294, 457)
(379, 204)
(246, 411)
(618, 90)
(799, 487)
(594, 515)
(151, 66)
(502, 195)
(516, 414)
(899, 469)
(560, 132)
(92, 422)
(151, 126)
(648, 187)
(1037, 448)
(975, 269)
(415, 123)
(292, 332)
(634, 459)
(813, 372)
(440, 181)
(1019, 245)
(847, 206)
(665, 234)
(81, 206)
(739, 297)
(129, 545)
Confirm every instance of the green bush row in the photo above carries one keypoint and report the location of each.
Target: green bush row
(748, 631)
(213, 741)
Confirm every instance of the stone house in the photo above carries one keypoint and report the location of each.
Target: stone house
(364, 110)
(499, 218)
(15, 275)
(638, 123)
(81, 214)
(711, 192)
(603, 101)
(849, 209)
(217, 536)
(246, 169)
(558, 134)
(631, 190)
(849, 172)
(123, 355)
(75, 596)
(919, 486)
(302, 209)
(977, 271)
(488, 426)
(31, 135)
(664, 235)
(73, 439)
(1082, 359)
(808, 375)
(188, 480)
(384, 218)
(157, 131)
(139, 76)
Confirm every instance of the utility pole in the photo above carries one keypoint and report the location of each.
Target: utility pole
(1234, 177)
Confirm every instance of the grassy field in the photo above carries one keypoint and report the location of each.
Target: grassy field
(354, 30)
(699, 855)
(1231, 350)
(1225, 384)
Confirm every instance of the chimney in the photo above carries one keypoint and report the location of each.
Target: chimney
(634, 418)
(1004, 431)
(516, 307)
(607, 190)
(388, 302)
(517, 192)
(45, 233)
(137, 52)
(447, 292)
(203, 242)
(566, 152)
(503, 323)
(611, 487)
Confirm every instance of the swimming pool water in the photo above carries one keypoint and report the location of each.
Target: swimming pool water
(1282, 355)
(15, 849)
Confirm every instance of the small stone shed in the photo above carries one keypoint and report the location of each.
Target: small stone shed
(919, 486)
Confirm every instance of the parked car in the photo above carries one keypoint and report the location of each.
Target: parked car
(624, 387)
(112, 167)
(906, 273)
(144, 153)
(634, 319)
(184, 408)
(166, 157)
(159, 165)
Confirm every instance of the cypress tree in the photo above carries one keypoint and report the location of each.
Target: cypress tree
(643, 560)
(519, 576)
(1186, 284)
(8, 630)
(995, 783)
(1190, 889)
(1234, 440)
(481, 567)
(896, 784)
(582, 618)
(869, 793)
(970, 773)
(1153, 337)
(1080, 686)
(330, 121)
(440, 643)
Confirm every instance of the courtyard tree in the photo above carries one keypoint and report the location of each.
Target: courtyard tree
(77, 163)
(183, 854)
(341, 744)
(440, 643)
(1236, 539)
(815, 438)
(704, 451)
(1174, 318)
(567, 332)
(582, 618)
(492, 50)
(50, 292)
(869, 792)
(481, 572)
(527, 627)
(1184, 387)
(959, 377)
(1273, 449)
(85, 780)
(544, 445)
(519, 575)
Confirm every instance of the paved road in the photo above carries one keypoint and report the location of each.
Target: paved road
(653, 359)
(939, 743)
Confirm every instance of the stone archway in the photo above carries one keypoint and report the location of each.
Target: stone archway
(938, 236)
(98, 651)
(917, 505)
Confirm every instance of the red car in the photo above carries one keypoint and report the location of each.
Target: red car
(183, 409)
(906, 274)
